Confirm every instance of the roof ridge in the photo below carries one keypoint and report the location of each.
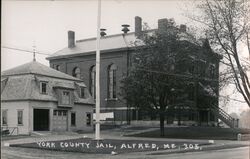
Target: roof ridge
(105, 37)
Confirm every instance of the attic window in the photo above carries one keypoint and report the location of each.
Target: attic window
(66, 97)
(43, 87)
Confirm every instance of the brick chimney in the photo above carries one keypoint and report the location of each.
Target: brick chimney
(162, 24)
(71, 39)
(183, 28)
(138, 26)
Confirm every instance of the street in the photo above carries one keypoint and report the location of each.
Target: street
(25, 153)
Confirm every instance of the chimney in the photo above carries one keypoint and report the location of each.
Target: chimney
(162, 24)
(183, 28)
(71, 39)
(138, 26)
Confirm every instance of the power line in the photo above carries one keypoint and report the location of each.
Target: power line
(23, 50)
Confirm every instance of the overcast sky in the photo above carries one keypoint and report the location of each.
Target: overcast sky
(45, 23)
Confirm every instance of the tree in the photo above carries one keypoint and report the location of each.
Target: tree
(153, 81)
(228, 27)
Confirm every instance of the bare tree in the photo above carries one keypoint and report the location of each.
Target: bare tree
(228, 28)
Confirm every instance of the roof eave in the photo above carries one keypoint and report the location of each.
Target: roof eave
(88, 53)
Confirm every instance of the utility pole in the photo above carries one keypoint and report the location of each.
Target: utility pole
(97, 109)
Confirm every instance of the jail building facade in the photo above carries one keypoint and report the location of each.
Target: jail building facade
(78, 60)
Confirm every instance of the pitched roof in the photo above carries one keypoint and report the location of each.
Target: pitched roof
(39, 69)
(108, 44)
(86, 46)
(23, 83)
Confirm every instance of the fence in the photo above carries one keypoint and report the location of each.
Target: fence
(5, 130)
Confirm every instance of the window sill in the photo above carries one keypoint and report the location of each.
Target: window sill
(111, 99)
(19, 124)
(73, 125)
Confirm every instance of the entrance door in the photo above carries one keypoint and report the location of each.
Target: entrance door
(60, 120)
(41, 120)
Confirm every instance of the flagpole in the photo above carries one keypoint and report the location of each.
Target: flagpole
(97, 110)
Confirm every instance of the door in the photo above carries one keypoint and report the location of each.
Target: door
(41, 120)
(60, 118)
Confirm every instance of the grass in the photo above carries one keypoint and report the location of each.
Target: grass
(213, 133)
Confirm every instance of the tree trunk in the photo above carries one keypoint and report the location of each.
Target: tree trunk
(162, 119)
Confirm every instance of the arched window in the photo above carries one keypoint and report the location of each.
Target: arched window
(92, 78)
(57, 67)
(112, 81)
(76, 72)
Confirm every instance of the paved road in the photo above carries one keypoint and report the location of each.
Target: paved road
(25, 153)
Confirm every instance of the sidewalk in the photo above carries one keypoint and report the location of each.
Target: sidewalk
(117, 134)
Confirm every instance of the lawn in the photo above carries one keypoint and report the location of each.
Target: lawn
(210, 133)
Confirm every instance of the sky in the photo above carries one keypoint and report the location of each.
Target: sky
(44, 24)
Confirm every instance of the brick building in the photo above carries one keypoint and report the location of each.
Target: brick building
(78, 60)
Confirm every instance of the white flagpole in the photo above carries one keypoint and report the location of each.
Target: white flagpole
(97, 110)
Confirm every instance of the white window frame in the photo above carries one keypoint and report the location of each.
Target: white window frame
(82, 92)
(64, 96)
(41, 87)
(21, 110)
(71, 119)
(5, 110)
(90, 121)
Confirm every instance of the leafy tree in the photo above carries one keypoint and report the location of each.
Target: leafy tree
(227, 23)
(155, 77)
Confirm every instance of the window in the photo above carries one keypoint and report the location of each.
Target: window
(43, 87)
(20, 117)
(73, 119)
(82, 92)
(57, 67)
(112, 81)
(191, 91)
(88, 120)
(76, 72)
(66, 97)
(191, 68)
(4, 117)
(92, 81)
(60, 113)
